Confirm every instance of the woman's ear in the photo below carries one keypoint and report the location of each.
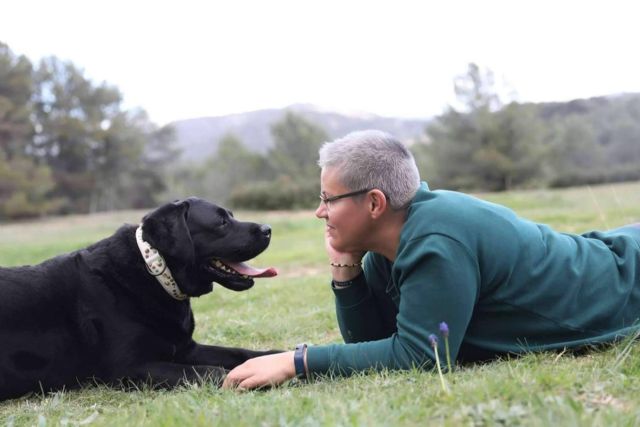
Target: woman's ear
(377, 203)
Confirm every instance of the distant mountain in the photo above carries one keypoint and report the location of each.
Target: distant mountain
(199, 138)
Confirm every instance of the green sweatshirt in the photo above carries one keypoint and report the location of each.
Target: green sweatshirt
(503, 284)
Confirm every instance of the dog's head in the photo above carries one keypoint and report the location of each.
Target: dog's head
(203, 243)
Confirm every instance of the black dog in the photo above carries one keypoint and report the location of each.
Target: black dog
(100, 314)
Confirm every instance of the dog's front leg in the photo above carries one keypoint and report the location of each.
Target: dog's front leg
(225, 357)
(168, 374)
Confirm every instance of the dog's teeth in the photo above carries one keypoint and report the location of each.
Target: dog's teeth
(222, 266)
(244, 276)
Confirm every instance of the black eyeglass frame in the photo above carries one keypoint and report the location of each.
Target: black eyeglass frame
(326, 200)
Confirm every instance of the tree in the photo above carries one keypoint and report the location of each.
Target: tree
(516, 150)
(232, 166)
(24, 189)
(454, 139)
(72, 116)
(16, 87)
(476, 89)
(623, 146)
(593, 140)
(296, 145)
(148, 179)
(102, 157)
(130, 163)
(24, 185)
(488, 145)
(292, 179)
(575, 153)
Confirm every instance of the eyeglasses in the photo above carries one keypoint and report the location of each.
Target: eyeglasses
(328, 200)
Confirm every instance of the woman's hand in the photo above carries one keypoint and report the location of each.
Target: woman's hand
(342, 274)
(270, 370)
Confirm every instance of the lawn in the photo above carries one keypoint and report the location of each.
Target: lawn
(600, 388)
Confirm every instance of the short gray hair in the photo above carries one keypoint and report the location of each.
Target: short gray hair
(373, 159)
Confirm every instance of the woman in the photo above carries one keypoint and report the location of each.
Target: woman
(404, 259)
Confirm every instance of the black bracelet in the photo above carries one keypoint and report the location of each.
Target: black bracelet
(341, 285)
(298, 361)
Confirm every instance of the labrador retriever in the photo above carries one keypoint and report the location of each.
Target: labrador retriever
(118, 311)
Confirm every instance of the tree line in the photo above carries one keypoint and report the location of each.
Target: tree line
(485, 144)
(68, 146)
(286, 177)
(490, 145)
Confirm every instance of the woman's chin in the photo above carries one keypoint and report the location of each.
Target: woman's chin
(336, 244)
(342, 248)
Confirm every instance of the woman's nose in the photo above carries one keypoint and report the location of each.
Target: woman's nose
(321, 211)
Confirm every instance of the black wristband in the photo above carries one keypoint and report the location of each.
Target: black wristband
(341, 285)
(298, 361)
(337, 285)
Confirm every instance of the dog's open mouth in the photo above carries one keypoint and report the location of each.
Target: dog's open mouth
(238, 275)
(242, 269)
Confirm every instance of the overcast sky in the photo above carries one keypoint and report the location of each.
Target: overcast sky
(185, 59)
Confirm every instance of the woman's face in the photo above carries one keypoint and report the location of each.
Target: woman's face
(347, 219)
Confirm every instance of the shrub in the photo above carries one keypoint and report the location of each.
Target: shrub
(282, 194)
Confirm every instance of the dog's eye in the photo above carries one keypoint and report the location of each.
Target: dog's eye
(224, 222)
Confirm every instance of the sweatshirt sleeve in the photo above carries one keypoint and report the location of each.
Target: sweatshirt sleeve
(358, 309)
(438, 279)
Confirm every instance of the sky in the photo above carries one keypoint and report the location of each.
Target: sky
(187, 59)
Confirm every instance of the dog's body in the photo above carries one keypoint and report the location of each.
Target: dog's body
(98, 314)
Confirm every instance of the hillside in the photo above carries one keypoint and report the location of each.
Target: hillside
(198, 138)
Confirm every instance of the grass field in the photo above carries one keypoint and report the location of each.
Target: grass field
(600, 388)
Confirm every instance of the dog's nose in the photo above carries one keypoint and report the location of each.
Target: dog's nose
(266, 230)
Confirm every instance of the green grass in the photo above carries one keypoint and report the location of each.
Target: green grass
(600, 388)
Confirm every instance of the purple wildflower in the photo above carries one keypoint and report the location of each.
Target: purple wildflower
(433, 340)
(444, 329)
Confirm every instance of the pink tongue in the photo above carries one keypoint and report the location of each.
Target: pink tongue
(247, 270)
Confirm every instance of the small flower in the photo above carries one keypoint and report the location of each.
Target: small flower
(433, 340)
(444, 330)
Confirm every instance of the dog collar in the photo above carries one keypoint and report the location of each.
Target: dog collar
(158, 268)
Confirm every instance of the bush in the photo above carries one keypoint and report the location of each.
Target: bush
(599, 176)
(281, 194)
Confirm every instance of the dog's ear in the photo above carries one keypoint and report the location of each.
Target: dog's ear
(166, 230)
